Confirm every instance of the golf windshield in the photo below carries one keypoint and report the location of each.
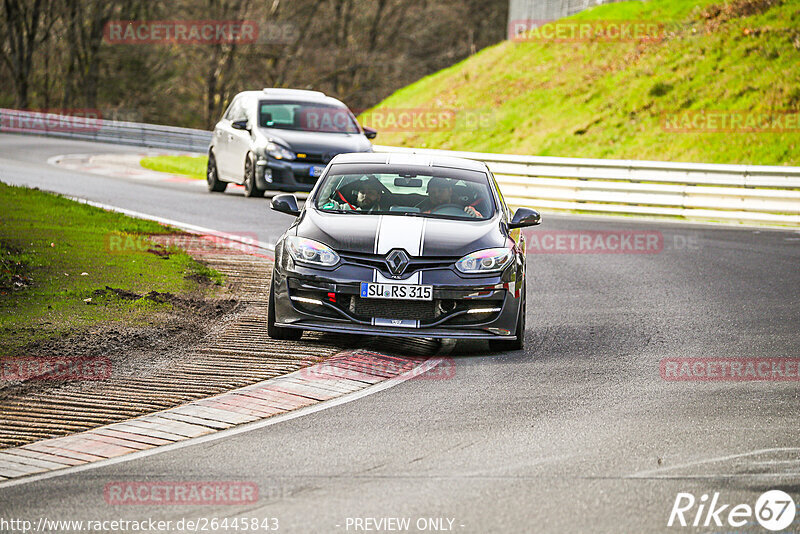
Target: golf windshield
(306, 117)
(440, 193)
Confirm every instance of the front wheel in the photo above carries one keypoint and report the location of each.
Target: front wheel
(215, 185)
(250, 187)
(277, 332)
(502, 345)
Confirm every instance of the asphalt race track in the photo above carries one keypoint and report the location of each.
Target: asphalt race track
(579, 432)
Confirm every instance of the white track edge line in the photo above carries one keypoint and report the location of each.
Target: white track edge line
(171, 222)
(425, 366)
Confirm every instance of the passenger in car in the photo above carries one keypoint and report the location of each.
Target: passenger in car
(440, 194)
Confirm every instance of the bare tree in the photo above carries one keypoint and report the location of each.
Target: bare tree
(27, 25)
(357, 50)
(222, 58)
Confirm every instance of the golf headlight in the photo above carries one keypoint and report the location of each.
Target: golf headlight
(485, 261)
(278, 152)
(312, 252)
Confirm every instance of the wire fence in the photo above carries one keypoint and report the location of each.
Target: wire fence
(536, 12)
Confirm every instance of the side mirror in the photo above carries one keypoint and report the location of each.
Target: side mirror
(240, 125)
(370, 133)
(285, 204)
(525, 217)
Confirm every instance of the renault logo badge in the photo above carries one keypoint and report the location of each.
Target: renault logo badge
(397, 261)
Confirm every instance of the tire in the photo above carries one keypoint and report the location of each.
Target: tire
(215, 185)
(277, 332)
(502, 345)
(250, 187)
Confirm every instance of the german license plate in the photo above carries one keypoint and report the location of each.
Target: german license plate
(316, 171)
(370, 290)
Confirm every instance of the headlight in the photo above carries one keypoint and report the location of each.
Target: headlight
(278, 152)
(485, 261)
(309, 251)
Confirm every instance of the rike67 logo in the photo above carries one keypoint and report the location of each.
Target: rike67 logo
(774, 510)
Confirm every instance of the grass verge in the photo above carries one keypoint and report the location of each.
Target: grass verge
(599, 99)
(58, 260)
(191, 166)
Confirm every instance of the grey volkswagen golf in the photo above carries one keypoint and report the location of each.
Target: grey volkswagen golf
(402, 245)
(281, 139)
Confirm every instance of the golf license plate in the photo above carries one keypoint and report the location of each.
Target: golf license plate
(316, 172)
(371, 290)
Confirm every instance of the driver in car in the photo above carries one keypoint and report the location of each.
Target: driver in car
(368, 199)
(440, 193)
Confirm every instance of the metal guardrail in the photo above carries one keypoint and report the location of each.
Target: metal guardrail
(728, 193)
(746, 193)
(87, 126)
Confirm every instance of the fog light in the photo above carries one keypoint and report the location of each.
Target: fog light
(307, 300)
(264, 171)
(484, 310)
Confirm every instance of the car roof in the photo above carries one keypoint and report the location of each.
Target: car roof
(292, 95)
(406, 159)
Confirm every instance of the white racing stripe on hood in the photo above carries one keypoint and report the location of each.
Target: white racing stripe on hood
(394, 232)
(400, 232)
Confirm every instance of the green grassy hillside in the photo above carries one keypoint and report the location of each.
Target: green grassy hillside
(610, 99)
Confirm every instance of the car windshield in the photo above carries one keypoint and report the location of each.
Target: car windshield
(306, 117)
(443, 193)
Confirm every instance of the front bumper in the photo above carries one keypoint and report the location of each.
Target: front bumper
(462, 308)
(279, 175)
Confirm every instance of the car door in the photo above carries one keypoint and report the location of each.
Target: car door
(239, 141)
(223, 135)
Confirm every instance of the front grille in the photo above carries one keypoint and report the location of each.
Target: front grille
(304, 178)
(314, 158)
(394, 309)
(378, 261)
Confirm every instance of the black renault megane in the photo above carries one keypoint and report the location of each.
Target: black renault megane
(402, 245)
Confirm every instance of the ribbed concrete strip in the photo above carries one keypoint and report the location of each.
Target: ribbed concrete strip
(312, 385)
(44, 456)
